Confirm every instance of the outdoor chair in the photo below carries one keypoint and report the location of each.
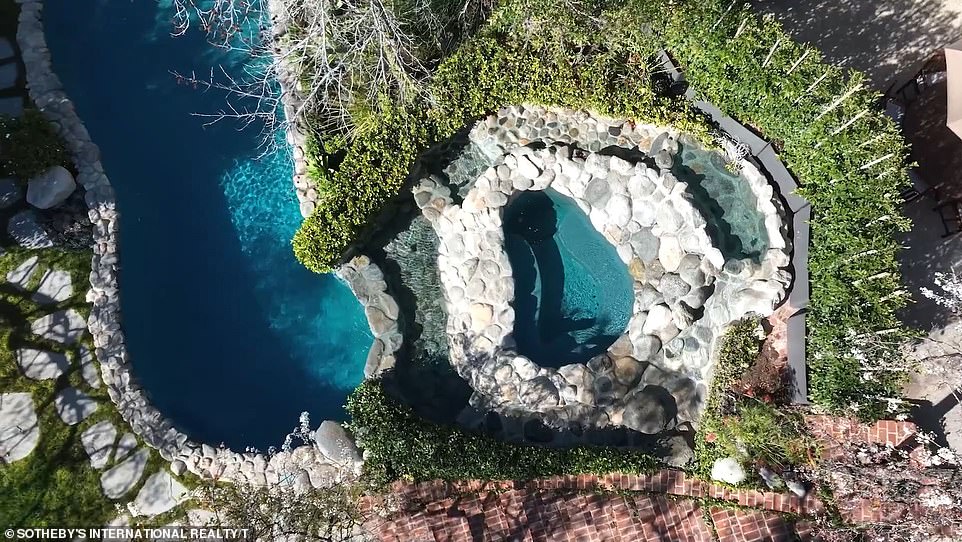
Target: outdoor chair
(951, 214)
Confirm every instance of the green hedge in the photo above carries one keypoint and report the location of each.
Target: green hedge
(538, 51)
(398, 443)
(30, 145)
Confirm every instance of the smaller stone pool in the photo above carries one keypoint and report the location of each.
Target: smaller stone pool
(573, 294)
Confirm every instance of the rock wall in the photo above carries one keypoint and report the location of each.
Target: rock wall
(334, 456)
(291, 100)
(685, 292)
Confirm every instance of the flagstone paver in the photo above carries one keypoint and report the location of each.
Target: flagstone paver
(120, 479)
(19, 431)
(40, 364)
(21, 275)
(74, 406)
(127, 444)
(88, 368)
(55, 287)
(98, 442)
(62, 326)
(160, 493)
(6, 49)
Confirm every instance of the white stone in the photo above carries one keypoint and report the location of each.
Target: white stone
(117, 481)
(64, 327)
(98, 442)
(55, 287)
(88, 368)
(40, 364)
(21, 275)
(73, 406)
(160, 493)
(19, 431)
(127, 444)
(728, 470)
(50, 188)
(670, 253)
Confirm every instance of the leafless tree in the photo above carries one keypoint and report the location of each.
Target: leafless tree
(338, 61)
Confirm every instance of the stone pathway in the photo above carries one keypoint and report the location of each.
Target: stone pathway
(55, 287)
(40, 364)
(19, 431)
(159, 494)
(74, 406)
(64, 327)
(21, 275)
(98, 441)
(117, 481)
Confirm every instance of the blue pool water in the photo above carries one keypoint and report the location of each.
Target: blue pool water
(229, 335)
(573, 294)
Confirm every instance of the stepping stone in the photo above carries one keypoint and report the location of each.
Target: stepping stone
(98, 441)
(6, 49)
(62, 326)
(74, 406)
(123, 477)
(11, 107)
(10, 191)
(159, 494)
(19, 431)
(21, 276)
(88, 369)
(55, 287)
(8, 75)
(25, 228)
(40, 364)
(127, 444)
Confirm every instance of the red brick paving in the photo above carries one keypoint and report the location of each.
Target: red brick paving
(561, 508)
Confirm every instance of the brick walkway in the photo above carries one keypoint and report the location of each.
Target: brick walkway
(664, 506)
(588, 508)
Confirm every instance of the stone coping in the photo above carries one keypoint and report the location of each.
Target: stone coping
(685, 292)
(291, 99)
(327, 462)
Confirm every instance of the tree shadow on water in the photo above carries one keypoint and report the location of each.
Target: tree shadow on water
(544, 328)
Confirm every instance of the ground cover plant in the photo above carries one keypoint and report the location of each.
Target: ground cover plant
(398, 443)
(826, 127)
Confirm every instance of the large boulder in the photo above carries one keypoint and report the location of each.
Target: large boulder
(647, 412)
(333, 441)
(50, 188)
(25, 228)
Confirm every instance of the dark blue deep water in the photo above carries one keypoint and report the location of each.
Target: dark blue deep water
(573, 294)
(229, 335)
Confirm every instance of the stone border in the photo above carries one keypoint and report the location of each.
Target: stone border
(367, 282)
(291, 99)
(327, 462)
(611, 389)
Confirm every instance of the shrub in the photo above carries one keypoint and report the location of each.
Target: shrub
(399, 444)
(759, 433)
(31, 146)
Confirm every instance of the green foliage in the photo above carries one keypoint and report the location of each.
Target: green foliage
(733, 425)
(30, 145)
(759, 432)
(399, 444)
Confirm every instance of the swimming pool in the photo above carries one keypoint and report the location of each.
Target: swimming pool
(231, 337)
(573, 294)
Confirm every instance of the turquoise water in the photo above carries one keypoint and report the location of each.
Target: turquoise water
(726, 201)
(573, 294)
(229, 335)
